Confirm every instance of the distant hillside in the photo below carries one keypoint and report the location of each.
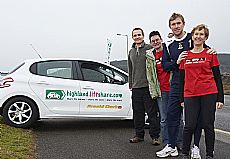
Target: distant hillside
(122, 64)
(224, 68)
(223, 58)
(224, 63)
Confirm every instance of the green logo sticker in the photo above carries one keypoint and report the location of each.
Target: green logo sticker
(55, 94)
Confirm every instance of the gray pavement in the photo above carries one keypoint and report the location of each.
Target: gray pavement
(222, 116)
(98, 139)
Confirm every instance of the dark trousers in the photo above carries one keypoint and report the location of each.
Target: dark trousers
(174, 114)
(205, 106)
(198, 131)
(141, 103)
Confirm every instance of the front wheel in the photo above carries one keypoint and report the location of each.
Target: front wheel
(20, 112)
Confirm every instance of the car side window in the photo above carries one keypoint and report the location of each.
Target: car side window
(59, 69)
(96, 72)
(92, 72)
(93, 75)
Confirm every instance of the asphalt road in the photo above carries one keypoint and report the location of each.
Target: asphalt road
(99, 139)
(223, 116)
(88, 139)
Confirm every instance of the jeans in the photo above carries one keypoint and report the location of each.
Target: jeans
(174, 117)
(163, 107)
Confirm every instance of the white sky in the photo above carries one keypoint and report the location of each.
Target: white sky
(74, 28)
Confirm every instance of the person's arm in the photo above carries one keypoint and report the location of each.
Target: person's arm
(181, 85)
(219, 85)
(167, 63)
(130, 71)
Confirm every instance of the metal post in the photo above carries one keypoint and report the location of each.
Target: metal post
(127, 42)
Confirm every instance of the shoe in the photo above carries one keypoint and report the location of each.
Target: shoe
(209, 157)
(156, 142)
(184, 156)
(167, 151)
(136, 139)
(166, 147)
(195, 152)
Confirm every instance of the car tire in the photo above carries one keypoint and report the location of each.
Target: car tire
(20, 112)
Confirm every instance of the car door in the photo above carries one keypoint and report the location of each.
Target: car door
(53, 82)
(106, 90)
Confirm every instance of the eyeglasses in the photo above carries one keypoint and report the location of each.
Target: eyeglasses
(155, 41)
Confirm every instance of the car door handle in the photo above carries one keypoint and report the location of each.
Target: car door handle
(87, 88)
(43, 83)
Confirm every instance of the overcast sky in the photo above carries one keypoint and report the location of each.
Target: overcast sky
(80, 28)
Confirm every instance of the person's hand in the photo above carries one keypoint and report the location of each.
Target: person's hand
(219, 105)
(170, 35)
(211, 51)
(182, 57)
(182, 104)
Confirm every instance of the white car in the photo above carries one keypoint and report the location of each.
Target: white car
(63, 88)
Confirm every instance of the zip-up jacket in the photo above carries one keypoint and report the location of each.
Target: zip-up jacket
(171, 52)
(151, 72)
(137, 66)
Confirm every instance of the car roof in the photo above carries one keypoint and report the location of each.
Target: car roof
(70, 58)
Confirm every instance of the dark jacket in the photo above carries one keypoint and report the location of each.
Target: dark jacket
(137, 66)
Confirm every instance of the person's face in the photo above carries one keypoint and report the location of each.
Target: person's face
(156, 42)
(138, 37)
(199, 37)
(177, 26)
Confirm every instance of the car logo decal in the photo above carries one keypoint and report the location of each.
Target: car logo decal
(55, 94)
(77, 95)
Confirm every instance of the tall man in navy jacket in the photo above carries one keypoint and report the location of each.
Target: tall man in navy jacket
(172, 49)
(181, 41)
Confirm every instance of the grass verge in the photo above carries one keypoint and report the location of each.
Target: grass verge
(16, 143)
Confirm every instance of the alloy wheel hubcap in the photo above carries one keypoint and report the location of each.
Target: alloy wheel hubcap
(20, 112)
